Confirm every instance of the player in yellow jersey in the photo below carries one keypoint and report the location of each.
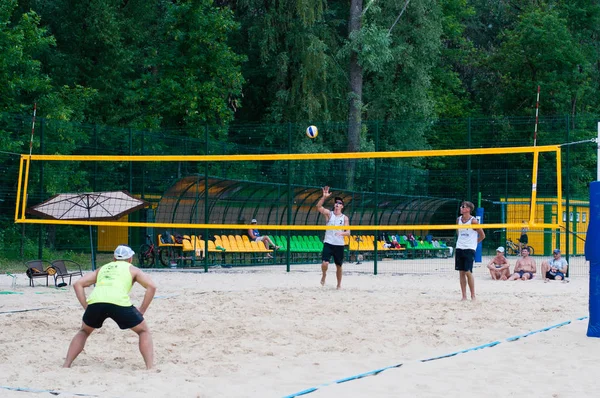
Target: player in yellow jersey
(110, 299)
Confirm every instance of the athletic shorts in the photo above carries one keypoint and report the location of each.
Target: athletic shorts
(126, 317)
(551, 275)
(464, 259)
(524, 239)
(331, 250)
(521, 273)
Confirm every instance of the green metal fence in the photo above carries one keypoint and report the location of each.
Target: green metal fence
(262, 188)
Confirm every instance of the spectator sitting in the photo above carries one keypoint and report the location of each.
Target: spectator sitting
(255, 236)
(556, 268)
(498, 266)
(525, 267)
(387, 243)
(395, 244)
(412, 240)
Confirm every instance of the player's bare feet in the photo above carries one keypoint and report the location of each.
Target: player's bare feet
(323, 281)
(338, 287)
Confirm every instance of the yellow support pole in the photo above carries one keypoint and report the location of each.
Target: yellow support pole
(19, 188)
(534, 180)
(559, 205)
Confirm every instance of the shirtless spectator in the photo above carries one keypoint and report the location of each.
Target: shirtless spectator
(498, 266)
(556, 268)
(525, 267)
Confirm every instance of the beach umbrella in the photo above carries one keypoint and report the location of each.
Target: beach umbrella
(89, 206)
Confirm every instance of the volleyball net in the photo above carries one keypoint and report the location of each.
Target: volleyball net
(382, 191)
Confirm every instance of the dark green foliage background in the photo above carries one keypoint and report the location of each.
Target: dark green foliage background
(247, 76)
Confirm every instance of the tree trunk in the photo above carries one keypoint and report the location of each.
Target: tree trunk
(356, 85)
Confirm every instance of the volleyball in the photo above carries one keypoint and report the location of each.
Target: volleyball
(312, 132)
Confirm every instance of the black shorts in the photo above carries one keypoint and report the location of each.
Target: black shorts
(553, 275)
(524, 239)
(521, 273)
(464, 259)
(331, 250)
(126, 317)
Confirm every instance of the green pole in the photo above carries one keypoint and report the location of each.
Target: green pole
(206, 200)
(130, 133)
(376, 197)
(566, 186)
(290, 200)
(469, 159)
(42, 149)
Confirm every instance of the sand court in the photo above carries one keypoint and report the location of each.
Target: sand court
(262, 332)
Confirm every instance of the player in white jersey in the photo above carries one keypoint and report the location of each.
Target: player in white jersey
(467, 241)
(333, 244)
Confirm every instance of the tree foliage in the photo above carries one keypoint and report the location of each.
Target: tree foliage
(185, 64)
(180, 64)
(152, 63)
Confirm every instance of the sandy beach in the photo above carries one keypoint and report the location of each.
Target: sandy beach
(262, 332)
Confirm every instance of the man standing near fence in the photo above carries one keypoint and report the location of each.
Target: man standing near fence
(333, 244)
(466, 244)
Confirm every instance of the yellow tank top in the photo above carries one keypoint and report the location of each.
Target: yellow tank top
(113, 285)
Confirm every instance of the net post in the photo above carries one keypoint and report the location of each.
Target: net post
(478, 250)
(25, 186)
(592, 254)
(534, 174)
(20, 184)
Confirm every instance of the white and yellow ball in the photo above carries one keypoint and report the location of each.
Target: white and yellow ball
(312, 132)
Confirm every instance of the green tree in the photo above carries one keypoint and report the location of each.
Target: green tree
(22, 40)
(458, 57)
(583, 21)
(401, 87)
(195, 76)
(292, 72)
(523, 44)
(539, 51)
(153, 64)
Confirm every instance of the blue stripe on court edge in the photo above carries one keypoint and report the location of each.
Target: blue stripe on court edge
(517, 337)
(479, 347)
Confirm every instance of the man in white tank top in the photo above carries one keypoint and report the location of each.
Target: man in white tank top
(467, 241)
(333, 244)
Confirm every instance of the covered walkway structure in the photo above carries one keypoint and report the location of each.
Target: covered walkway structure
(196, 199)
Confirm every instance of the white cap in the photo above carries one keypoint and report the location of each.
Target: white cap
(500, 249)
(123, 252)
(253, 221)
